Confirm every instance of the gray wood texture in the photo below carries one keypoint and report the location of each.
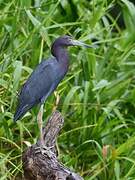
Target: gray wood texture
(40, 162)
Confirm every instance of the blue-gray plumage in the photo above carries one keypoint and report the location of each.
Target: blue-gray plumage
(42, 82)
(45, 78)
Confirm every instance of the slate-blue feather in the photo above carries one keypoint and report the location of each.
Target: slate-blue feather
(39, 85)
(45, 78)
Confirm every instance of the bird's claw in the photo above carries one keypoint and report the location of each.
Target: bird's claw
(45, 151)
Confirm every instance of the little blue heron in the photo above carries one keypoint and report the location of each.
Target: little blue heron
(45, 78)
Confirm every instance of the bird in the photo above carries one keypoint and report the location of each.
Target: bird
(45, 79)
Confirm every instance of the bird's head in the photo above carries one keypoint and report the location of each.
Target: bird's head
(65, 41)
(70, 41)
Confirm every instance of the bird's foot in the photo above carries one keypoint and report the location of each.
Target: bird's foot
(45, 151)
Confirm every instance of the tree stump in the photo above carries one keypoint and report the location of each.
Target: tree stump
(41, 163)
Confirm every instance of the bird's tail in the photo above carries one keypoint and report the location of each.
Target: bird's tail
(21, 110)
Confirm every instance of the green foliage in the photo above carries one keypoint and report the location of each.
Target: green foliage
(97, 97)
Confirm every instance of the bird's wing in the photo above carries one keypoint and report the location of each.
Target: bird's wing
(40, 84)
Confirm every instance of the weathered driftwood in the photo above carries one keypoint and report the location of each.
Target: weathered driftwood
(42, 164)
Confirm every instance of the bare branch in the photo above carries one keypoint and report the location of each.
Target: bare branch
(41, 163)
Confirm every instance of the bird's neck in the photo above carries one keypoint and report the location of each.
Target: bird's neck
(61, 54)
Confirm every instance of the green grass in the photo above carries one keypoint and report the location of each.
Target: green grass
(97, 97)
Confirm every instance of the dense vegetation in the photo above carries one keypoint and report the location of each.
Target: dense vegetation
(97, 97)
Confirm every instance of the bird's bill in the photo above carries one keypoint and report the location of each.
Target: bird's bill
(79, 43)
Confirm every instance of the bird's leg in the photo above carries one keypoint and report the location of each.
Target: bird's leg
(57, 100)
(40, 123)
(44, 150)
